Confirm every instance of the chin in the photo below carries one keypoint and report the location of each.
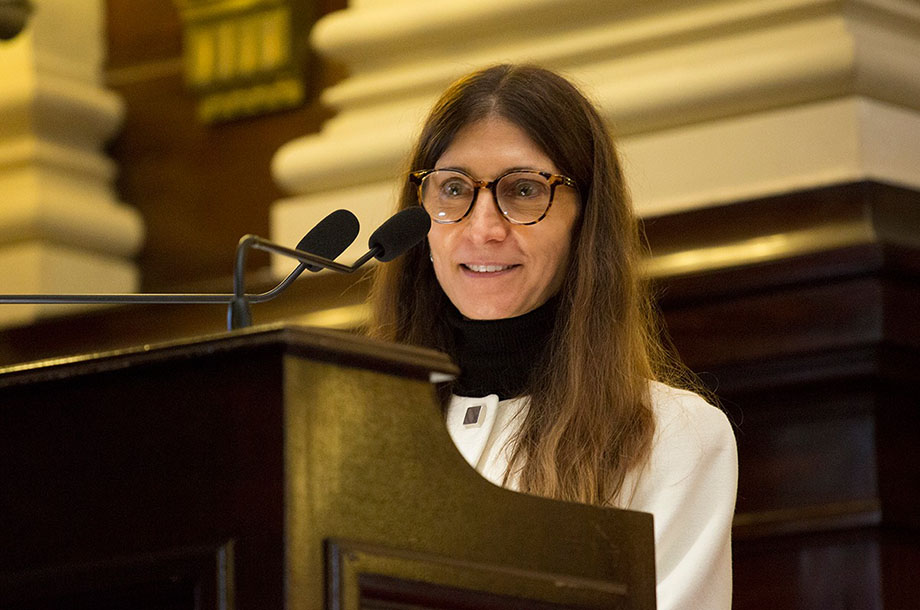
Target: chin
(480, 311)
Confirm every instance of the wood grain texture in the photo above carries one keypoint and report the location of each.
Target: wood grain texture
(815, 357)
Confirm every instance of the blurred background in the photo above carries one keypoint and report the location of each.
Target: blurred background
(772, 148)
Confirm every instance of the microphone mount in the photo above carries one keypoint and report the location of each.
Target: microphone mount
(238, 313)
(391, 239)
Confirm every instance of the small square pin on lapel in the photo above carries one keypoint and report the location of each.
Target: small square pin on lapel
(473, 416)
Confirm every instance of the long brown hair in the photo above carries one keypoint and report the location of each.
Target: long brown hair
(590, 420)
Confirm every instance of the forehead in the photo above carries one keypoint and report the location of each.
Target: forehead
(491, 146)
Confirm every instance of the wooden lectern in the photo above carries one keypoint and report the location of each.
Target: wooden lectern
(278, 467)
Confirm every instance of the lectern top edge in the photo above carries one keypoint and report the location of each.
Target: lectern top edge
(317, 343)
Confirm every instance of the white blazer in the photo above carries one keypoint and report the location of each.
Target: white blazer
(689, 485)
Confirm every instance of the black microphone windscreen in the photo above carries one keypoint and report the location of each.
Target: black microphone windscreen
(330, 237)
(400, 232)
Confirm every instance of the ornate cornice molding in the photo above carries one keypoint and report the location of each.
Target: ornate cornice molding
(712, 102)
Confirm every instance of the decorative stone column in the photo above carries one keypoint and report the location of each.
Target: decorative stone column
(62, 228)
(712, 102)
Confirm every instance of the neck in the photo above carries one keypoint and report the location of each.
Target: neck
(499, 356)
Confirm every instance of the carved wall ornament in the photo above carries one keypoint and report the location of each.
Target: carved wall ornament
(244, 57)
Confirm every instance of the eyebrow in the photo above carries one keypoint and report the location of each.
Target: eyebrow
(523, 168)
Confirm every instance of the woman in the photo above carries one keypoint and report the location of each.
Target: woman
(529, 280)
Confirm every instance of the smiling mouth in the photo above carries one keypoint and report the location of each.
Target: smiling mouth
(487, 268)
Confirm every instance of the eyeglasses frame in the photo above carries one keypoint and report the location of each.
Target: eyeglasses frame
(418, 176)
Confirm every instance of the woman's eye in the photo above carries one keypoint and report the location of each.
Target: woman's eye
(454, 189)
(526, 189)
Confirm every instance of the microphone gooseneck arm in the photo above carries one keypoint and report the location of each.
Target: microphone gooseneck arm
(394, 237)
(147, 298)
(238, 314)
(328, 238)
(151, 298)
(391, 239)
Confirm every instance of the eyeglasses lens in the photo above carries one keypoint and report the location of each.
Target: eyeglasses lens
(523, 197)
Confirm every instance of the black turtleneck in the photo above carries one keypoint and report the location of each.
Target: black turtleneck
(497, 356)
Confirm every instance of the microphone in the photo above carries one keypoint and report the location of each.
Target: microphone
(391, 239)
(402, 231)
(394, 237)
(329, 238)
(332, 236)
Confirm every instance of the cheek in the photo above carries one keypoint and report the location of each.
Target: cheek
(558, 245)
(438, 245)
(559, 257)
(561, 260)
(437, 239)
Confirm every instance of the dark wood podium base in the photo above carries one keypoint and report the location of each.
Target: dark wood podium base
(278, 468)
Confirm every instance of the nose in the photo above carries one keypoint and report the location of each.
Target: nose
(485, 222)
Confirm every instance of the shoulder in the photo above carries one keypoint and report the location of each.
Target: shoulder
(693, 445)
(689, 485)
(685, 422)
(671, 404)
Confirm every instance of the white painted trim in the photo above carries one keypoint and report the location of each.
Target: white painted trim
(48, 207)
(62, 227)
(77, 111)
(772, 152)
(37, 268)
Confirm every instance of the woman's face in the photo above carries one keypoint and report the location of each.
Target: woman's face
(488, 267)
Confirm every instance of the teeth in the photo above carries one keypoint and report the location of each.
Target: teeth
(488, 268)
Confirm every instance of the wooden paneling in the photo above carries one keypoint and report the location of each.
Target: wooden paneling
(815, 356)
